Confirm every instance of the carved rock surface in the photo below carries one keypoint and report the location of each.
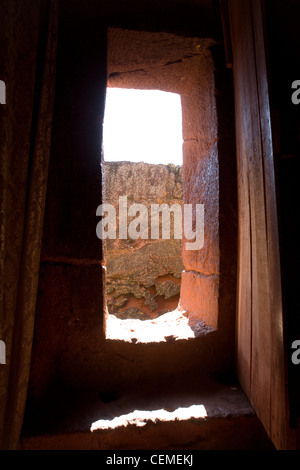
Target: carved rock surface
(143, 275)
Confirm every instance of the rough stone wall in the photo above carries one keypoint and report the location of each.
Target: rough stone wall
(143, 275)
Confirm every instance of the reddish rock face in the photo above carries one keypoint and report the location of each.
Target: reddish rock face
(200, 294)
(143, 275)
(184, 66)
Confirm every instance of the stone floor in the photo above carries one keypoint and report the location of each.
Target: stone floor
(217, 417)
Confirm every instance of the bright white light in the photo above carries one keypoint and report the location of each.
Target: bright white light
(142, 126)
(157, 330)
(140, 418)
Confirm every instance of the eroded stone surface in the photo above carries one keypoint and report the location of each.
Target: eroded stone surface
(143, 275)
(200, 296)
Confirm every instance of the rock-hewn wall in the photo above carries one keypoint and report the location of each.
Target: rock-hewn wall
(186, 68)
(70, 348)
(143, 275)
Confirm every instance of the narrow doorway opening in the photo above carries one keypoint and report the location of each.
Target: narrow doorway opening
(142, 148)
(181, 67)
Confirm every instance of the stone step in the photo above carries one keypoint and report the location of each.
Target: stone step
(219, 417)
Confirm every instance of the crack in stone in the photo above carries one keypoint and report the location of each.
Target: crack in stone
(117, 74)
(205, 275)
(178, 61)
(72, 261)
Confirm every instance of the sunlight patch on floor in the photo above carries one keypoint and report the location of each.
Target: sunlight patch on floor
(170, 326)
(140, 418)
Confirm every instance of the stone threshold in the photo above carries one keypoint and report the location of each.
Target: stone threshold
(214, 418)
(171, 326)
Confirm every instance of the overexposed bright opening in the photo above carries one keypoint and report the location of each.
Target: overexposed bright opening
(142, 126)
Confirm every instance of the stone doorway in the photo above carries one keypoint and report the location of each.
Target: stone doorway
(142, 149)
(184, 66)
